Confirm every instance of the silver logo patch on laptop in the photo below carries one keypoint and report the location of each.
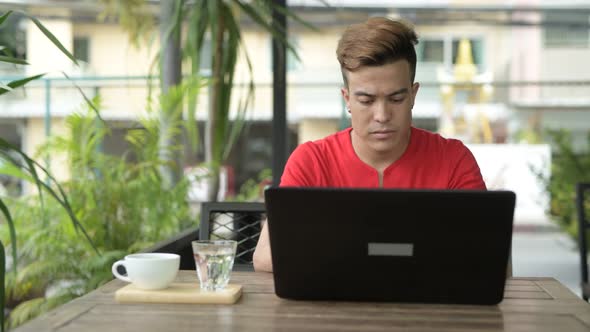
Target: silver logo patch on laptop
(391, 249)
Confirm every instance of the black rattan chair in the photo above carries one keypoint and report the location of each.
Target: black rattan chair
(583, 226)
(219, 220)
(239, 221)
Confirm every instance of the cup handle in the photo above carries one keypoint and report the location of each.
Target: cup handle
(117, 274)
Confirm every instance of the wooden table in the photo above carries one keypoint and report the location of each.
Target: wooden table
(530, 304)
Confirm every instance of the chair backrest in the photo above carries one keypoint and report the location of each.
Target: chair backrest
(583, 226)
(239, 221)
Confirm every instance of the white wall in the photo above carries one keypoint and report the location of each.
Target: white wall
(314, 129)
(42, 54)
(508, 167)
(35, 136)
(111, 53)
(526, 53)
(558, 65)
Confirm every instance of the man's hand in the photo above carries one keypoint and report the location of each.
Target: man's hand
(262, 257)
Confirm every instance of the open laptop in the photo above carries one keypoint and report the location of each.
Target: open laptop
(428, 246)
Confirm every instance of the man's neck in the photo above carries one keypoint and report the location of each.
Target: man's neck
(379, 160)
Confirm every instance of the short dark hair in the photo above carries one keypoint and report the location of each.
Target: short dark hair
(376, 42)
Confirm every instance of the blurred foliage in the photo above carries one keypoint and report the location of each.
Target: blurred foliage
(568, 167)
(135, 16)
(531, 132)
(13, 37)
(210, 33)
(122, 205)
(528, 136)
(19, 164)
(253, 189)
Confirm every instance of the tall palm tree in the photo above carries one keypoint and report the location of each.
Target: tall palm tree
(216, 22)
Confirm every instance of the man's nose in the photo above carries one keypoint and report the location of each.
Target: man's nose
(382, 112)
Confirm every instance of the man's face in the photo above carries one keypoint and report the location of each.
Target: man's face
(380, 99)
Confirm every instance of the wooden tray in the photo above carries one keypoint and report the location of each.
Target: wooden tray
(178, 293)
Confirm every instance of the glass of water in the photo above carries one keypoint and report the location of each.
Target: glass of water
(214, 260)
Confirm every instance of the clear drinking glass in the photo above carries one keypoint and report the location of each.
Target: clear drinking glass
(214, 260)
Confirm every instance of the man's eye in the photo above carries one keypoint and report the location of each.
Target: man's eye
(365, 102)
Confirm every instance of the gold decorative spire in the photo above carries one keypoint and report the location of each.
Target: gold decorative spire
(465, 69)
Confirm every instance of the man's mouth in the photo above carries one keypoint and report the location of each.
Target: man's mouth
(383, 133)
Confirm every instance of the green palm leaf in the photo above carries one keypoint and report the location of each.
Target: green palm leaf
(10, 223)
(290, 14)
(5, 16)
(18, 83)
(194, 45)
(25, 311)
(12, 170)
(9, 59)
(52, 38)
(259, 19)
(88, 101)
(61, 198)
(2, 278)
(30, 167)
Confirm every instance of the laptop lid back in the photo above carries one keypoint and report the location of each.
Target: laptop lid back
(432, 246)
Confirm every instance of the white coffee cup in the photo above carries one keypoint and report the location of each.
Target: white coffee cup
(149, 270)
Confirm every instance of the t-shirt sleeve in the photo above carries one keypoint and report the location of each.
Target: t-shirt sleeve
(466, 173)
(301, 168)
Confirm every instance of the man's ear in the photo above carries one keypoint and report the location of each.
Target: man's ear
(415, 88)
(346, 96)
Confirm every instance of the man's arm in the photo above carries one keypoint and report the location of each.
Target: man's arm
(297, 173)
(509, 268)
(262, 257)
(465, 173)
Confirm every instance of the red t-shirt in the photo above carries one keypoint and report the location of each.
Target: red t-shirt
(430, 162)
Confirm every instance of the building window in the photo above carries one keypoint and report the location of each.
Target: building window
(430, 50)
(82, 49)
(566, 30)
(444, 51)
(13, 39)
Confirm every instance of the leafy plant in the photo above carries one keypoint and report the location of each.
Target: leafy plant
(253, 189)
(568, 167)
(216, 22)
(7, 58)
(123, 206)
(31, 170)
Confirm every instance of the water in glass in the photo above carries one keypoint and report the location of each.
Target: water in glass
(214, 266)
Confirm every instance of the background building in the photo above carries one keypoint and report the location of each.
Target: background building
(527, 57)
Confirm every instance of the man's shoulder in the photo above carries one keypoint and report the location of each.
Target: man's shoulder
(328, 149)
(433, 140)
(336, 140)
(312, 162)
(453, 161)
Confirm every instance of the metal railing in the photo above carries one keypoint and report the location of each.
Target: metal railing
(126, 96)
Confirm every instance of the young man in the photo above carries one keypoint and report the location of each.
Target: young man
(381, 149)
